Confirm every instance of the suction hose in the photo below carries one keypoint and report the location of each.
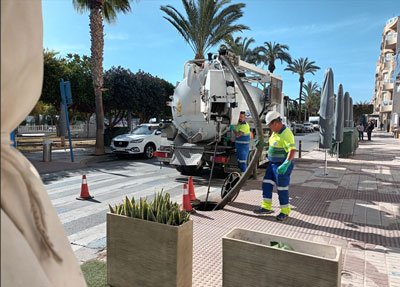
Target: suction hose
(260, 134)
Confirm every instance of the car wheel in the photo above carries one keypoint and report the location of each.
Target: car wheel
(149, 151)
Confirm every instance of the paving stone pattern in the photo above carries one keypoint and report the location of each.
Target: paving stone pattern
(356, 206)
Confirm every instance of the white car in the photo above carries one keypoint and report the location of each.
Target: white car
(144, 139)
(308, 127)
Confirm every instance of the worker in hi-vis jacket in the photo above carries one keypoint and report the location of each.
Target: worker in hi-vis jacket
(280, 155)
(242, 141)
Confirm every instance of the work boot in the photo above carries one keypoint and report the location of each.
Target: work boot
(281, 217)
(262, 211)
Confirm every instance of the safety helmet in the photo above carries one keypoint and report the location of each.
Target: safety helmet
(272, 115)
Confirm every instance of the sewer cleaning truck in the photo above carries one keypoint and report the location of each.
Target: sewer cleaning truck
(204, 106)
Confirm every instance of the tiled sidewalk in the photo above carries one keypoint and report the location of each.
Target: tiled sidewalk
(61, 159)
(356, 206)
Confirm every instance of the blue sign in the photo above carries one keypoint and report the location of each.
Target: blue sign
(66, 94)
(66, 98)
(12, 138)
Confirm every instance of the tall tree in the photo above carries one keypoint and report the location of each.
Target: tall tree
(120, 97)
(309, 95)
(55, 68)
(208, 22)
(99, 10)
(241, 48)
(271, 52)
(301, 66)
(152, 94)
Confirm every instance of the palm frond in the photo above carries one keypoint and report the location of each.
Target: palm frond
(109, 8)
(206, 22)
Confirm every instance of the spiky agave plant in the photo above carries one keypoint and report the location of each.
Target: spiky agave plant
(161, 209)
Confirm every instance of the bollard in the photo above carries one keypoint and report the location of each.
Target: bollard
(299, 149)
(47, 150)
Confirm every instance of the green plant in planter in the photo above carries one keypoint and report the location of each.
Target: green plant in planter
(161, 209)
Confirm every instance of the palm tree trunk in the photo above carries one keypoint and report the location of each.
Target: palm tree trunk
(97, 45)
(301, 90)
(271, 67)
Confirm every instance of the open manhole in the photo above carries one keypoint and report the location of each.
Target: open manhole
(202, 206)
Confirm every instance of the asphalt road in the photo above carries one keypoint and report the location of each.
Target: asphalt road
(309, 141)
(110, 182)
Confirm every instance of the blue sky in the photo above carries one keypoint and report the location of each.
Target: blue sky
(342, 34)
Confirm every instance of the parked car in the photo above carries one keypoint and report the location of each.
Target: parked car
(308, 127)
(144, 139)
(315, 122)
(299, 128)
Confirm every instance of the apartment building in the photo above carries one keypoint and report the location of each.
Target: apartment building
(386, 99)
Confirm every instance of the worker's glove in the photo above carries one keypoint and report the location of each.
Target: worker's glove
(283, 167)
(226, 139)
(232, 127)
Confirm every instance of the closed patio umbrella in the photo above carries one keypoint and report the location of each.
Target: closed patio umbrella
(339, 119)
(346, 109)
(326, 113)
(351, 122)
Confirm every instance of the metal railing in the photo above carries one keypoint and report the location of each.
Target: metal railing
(31, 129)
(388, 81)
(387, 103)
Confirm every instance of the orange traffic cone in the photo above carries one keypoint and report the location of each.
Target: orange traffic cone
(192, 195)
(84, 190)
(186, 200)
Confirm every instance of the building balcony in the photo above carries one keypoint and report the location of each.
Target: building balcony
(391, 41)
(387, 65)
(391, 21)
(386, 106)
(388, 85)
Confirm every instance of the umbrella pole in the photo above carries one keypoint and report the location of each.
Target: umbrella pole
(337, 149)
(326, 163)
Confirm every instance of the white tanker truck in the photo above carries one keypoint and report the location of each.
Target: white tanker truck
(204, 105)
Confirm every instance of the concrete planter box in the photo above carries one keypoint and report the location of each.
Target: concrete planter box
(248, 260)
(145, 253)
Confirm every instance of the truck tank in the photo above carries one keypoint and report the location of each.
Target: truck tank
(204, 105)
(204, 94)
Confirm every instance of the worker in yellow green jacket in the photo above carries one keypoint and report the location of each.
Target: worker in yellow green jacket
(281, 153)
(242, 142)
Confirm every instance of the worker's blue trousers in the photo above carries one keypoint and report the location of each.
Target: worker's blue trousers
(242, 154)
(282, 181)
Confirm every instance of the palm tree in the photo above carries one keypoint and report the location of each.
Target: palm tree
(207, 22)
(241, 48)
(301, 66)
(271, 52)
(309, 95)
(99, 10)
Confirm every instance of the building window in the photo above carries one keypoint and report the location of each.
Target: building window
(388, 57)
